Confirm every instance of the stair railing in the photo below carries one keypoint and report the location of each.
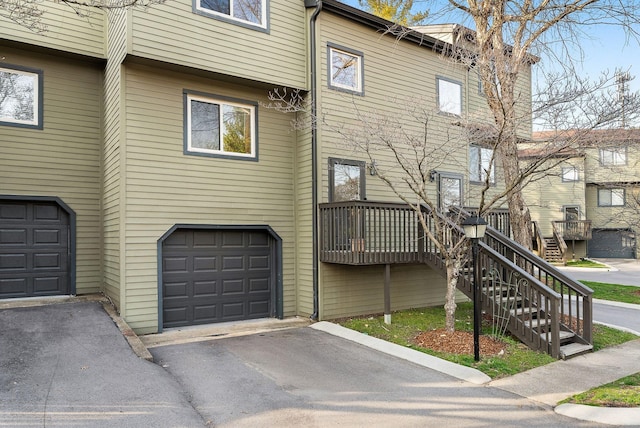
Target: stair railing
(557, 236)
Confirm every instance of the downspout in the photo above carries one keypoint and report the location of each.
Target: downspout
(314, 150)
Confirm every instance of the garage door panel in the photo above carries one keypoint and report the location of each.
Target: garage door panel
(47, 285)
(13, 211)
(225, 278)
(205, 289)
(178, 239)
(13, 237)
(13, 287)
(47, 213)
(48, 261)
(13, 262)
(613, 243)
(48, 237)
(205, 264)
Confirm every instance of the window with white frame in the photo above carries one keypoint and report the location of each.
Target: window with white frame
(249, 12)
(220, 126)
(449, 96)
(612, 156)
(611, 197)
(345, 69)
(570, 173)
(480, 164)
(20, 96)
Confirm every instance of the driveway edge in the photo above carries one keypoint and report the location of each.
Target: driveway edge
(132, 338)
(464, 373)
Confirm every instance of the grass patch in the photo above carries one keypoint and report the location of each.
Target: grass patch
(585, 263)
(615, 292)
(623, 392)
(406, 325)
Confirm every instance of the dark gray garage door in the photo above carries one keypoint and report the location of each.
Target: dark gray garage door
(216, 275)
(612, 243)
(34, 249)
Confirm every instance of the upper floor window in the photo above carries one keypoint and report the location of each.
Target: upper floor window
(220, 126)
(449, 190)
(345, 69)
(613, 156)
(449, 96)
(250, 12)
(570, 174)
(611, 197)
(346, 180)
(20, 97)
(480, 164)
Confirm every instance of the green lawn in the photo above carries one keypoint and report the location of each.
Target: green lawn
(585, 263)
(406, 325)
(615, 292)
(623, 392)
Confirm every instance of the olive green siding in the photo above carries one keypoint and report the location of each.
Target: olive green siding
(62, 159)
(65, 30)
(114, 166)
(359, 290)
(165, 187)
(399, 82)
(173, 33)
(547, 195)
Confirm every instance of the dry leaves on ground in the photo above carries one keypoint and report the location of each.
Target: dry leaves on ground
(458, 342)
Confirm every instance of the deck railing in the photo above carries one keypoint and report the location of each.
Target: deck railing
(578, 230)
(548, 302)
(366, 233)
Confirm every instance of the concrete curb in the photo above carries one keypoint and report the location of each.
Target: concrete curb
(467, 374)
(629, 416)
(134, 341)
(618, 304)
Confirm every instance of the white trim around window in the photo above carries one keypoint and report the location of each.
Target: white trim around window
(21, 103)
(247, 13)
(345, 69)
(613, 156)
(220, 126)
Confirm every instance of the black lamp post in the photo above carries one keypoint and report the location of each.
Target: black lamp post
(474, 229)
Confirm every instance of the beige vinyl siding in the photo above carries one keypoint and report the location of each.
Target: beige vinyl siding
(63, 159)
(597, 173)
(166, 187)
(613, 217)
(65, 30)
(359, 290)
(547, 195)
(113, 169)
(173, 33)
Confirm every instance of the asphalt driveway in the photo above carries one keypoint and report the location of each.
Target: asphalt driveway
(305, 377)
(68, 365)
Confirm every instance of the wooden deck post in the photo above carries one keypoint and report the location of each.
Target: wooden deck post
(387, 294)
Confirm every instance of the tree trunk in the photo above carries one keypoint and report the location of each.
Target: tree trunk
(453, 272)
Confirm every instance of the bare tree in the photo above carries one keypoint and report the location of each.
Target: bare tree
(507, 37)
(30, 13)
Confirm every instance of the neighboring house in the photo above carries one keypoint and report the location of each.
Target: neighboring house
(139, 160)
(592, 196)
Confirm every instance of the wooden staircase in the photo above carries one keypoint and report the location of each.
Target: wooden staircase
(526, 295)
(552, 252)
(529, 297)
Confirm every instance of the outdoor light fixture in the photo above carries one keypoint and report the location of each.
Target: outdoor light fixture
(373, 167)
(474, 229)
(432, 175)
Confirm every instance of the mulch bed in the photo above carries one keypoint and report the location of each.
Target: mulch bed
(458, 342)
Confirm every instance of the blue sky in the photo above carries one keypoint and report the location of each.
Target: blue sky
(605, 49)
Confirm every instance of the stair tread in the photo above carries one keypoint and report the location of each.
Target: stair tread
(533, 323)
(564, 335)
(574, 349)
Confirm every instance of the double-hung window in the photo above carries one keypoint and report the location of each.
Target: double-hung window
(449, 96)
(219, 126)
(252, 13)
(345, 69)
(20, 97)
(480, 164)
(611, 197)
(613, 156)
